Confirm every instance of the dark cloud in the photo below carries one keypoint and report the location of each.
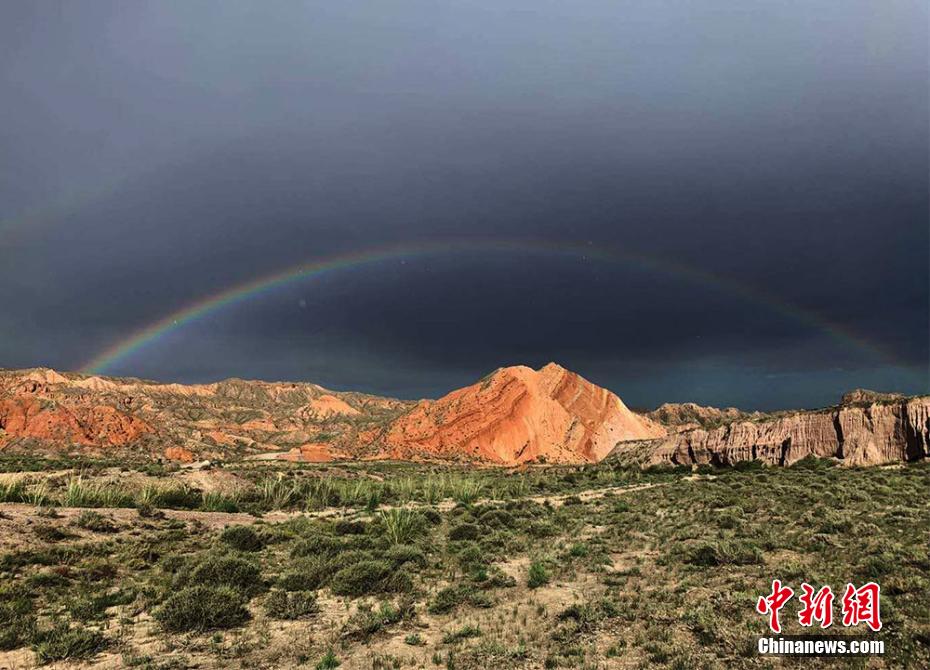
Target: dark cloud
(153, 155)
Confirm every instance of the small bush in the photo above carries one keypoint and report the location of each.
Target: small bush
(328, 662)
(465, 531)
(95, 522)
(201, 608)
(242, 538)
(230, 571)
(51, 533)
(283, 605)
(446, 600)
(346, 527)
(462, 633)
(537, 576)
(369, 577)
(17, 619)
(62, 642)
(306, 575)
(725, 553)
(414, 640)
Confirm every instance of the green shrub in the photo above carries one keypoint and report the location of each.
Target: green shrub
(231, 571)
(369, 577)
(17, 619)
(328, 662)
(95, 522)
(414, 640)
(284, 605)
(62, 642)
(306, 574)
(200, 608)
(465, 531)
(400, 554)
(346, 527)
(51, 533)
(242, 538)
(462, 633)
(446, 600)
(725, 553)
(538, 575)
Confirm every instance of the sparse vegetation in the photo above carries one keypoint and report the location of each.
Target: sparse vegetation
(555, 567)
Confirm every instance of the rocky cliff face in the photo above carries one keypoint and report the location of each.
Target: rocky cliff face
(864, 433)
(517, 415)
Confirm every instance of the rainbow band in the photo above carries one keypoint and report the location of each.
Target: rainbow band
(244, 291)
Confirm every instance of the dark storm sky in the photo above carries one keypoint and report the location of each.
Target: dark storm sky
(153, 154)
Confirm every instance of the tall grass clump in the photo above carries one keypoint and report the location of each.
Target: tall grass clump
(466, 490)
(13, 492)
(80, 493)
(214, 501)
(279, 493)
(400, 525)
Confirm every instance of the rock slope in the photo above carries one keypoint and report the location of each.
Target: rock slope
(518, 415)
(43, 411)
(861, 431)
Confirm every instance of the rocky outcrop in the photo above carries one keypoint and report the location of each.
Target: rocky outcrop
(44, 411)
(519, 415)
(857, 434)
(688, 415)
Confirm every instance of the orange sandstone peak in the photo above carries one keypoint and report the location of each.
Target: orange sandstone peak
(516, 415)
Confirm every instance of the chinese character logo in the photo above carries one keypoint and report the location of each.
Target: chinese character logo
(859, 605)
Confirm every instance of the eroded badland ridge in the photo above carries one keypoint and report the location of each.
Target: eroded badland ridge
(514, 415)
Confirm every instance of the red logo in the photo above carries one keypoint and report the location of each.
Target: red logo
(859, 605)
(773, 603)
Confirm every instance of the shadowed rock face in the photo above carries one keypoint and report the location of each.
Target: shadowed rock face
(517, 415)
(894, 429)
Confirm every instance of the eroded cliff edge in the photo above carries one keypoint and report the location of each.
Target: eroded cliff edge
(889, 430)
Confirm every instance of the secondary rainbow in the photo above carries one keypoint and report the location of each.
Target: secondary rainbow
(139, 339)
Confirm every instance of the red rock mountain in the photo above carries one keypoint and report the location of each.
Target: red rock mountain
(517, 415)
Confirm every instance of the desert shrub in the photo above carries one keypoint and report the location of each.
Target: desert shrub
(318, 545)
(462, 633)
(231, 571)
(346, 527)
(62, 642)
(290, 605)
(328, 662)
(538, 575)
(17, 619)
(95, 522)
(200, 608)
(369, 577)
(51, 533)
(367, 621)
(465, 531)
(446, 600)
(469, 555)
(94, 605)
(242, 538)
(400, 554)
(724, 553)
(306, 574)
